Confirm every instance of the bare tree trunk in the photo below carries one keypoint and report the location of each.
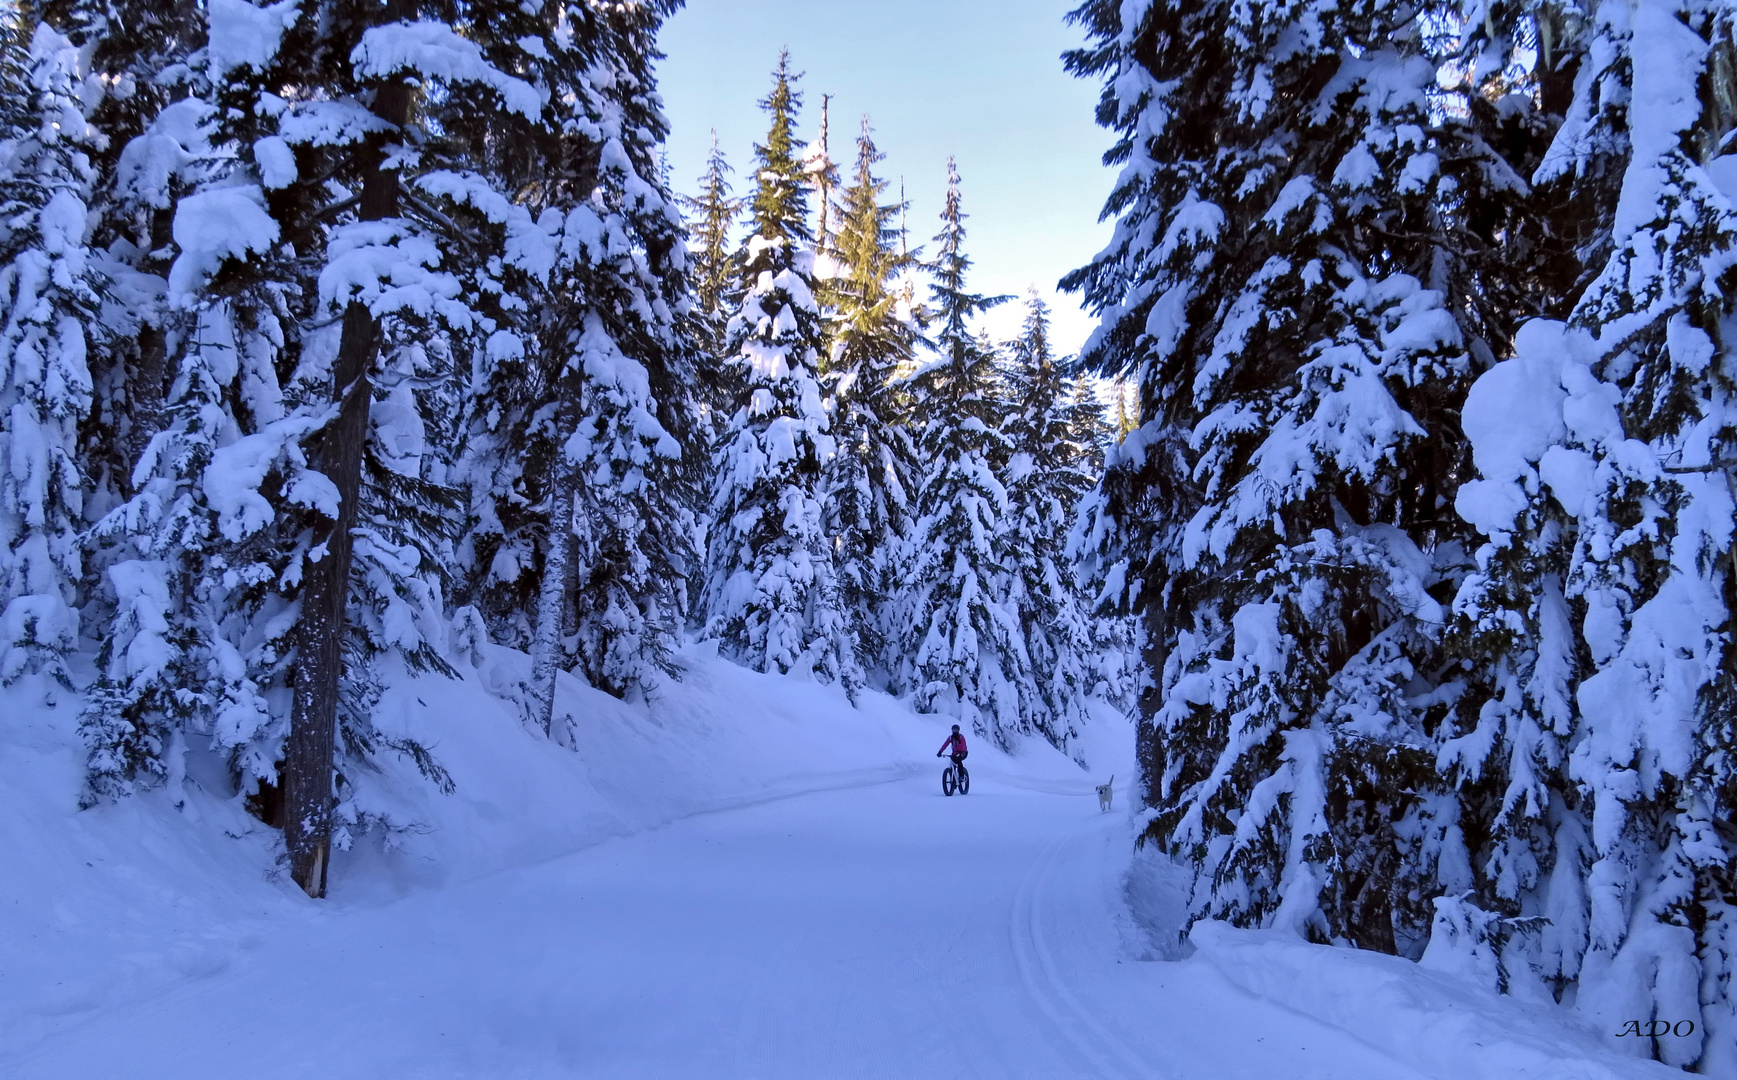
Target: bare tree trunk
(307, 764)
(551, 599)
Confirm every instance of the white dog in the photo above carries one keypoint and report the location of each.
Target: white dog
(1104, 794)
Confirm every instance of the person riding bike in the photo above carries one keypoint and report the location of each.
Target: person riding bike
(954, 747)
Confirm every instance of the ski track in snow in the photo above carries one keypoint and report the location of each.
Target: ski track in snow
(1106, 1054)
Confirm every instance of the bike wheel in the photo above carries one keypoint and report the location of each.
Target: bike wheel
(947, 780)
(964, 782)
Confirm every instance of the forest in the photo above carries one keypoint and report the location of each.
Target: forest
(341, 339)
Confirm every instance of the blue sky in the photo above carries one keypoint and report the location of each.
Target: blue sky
(977, 79)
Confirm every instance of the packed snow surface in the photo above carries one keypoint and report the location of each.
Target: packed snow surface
(744, 878)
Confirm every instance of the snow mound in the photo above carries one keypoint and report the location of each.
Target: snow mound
(1438, 1024)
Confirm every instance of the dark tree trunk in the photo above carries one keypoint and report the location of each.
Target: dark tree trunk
(1148, 744)
(148, 382)
(307, 764)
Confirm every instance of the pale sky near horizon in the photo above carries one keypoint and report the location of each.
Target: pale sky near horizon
(978, 79)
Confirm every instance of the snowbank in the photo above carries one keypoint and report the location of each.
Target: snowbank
(1428, 1022)
(1441, 1025)
(720, 737)
(109, 905)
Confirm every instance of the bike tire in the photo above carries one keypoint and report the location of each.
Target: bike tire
(947, 780)
(964, 781)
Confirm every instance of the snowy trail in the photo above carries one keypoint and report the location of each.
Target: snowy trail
(874, 931)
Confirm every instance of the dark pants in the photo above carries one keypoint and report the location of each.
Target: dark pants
(958, 760)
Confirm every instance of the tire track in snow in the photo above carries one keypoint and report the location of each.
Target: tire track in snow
(1110, 1058)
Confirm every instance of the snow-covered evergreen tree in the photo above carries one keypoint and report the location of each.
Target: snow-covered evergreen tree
(275, 467)
(160, 673)
(1296, 382)
(190, 570)
(869, 481)
(202, 560)
(716, 283)
(1045, 477)
(1603, 590)
(771, 594)
(47, 298)
(579, 540)
(966, 656)
(712, 265)
(634, 522)
(822, 173)
(147, 117)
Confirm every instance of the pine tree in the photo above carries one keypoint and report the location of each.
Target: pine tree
(1604, 586)
(578, 543)
(634, 516)
(716, 277)
(156, 681)
(321, 275)
(190, 569)
(868, 481)
(771, 594)
(149, 119)
(1088, 425)
(194, 642)
(47, 297)
(1046, 477)
(330, 240)
(822, 173)
(1274, 518)
(969, 659)
(712, 265)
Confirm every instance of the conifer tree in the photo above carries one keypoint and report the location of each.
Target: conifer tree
(1088, 425)
(634, 519)
(298, 259)
(822, 173)
(193, 639)
(771, 593)
(148, 118)
(716, 280)
(1274, 519)
(869, 480)
(578, 545)
(382, 54)
(969, 657)
(47, 297)
(712, 264)
(1046, 477)
(157, 682)
(1604, 584)
(333, 537)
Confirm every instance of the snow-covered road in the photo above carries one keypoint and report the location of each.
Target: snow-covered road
(872, 931)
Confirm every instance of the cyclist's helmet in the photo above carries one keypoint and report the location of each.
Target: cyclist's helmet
(955, 729)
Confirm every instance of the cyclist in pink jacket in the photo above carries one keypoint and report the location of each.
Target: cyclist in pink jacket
(954, 747)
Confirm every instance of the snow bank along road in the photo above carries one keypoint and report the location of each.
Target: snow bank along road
(874, 931)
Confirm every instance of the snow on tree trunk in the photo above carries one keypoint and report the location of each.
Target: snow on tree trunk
(307, 764)
(546, 647)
